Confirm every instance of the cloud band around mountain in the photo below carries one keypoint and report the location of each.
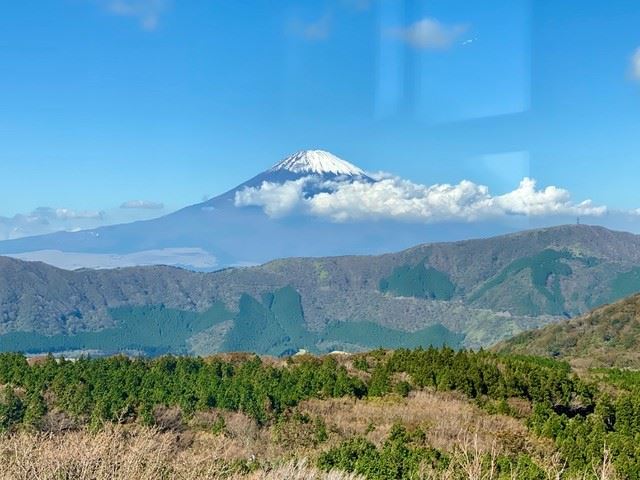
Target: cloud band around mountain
(393, 198)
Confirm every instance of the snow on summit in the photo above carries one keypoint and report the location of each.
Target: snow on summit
(317, 161)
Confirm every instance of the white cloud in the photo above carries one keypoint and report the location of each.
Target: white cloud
(526, 200)
(314, 31)
(65, 214)
(635, 64)
(276, 199)
(429, 34)
(142, 204)
(46, 220)
(398, 199)
(147, 12)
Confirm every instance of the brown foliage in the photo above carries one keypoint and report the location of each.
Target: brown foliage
(445, 417)
(125, 453)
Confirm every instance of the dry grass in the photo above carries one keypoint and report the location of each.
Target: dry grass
(469, 462)
(447, 419)
(125, 453)
(114, 453)
(301, 471)
(473, 438)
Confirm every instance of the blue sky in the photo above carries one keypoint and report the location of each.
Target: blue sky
(104, 102)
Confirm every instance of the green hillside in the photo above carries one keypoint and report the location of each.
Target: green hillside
(276, 326)
(273, 326)
(483, 290)
(541, 292)
(153, 330)
(418, 281)
(623, 285)
(608, 336)
(367, 335)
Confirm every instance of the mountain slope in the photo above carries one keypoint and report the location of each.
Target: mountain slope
(233, 234)
(607, 336)
(472, 293)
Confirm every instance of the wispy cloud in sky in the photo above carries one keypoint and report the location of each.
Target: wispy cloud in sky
(316, 30)
(429, 34)
(48, 219)
(43, 220)
(142, 204)
(358, 5)
(49, 213)
(635, 64)
(147, 12)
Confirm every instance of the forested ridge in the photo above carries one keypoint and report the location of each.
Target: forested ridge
(475, 293)
(585, 420)
(608, 336)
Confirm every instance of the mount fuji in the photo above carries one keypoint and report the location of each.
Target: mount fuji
(230, 230)
(318, 166)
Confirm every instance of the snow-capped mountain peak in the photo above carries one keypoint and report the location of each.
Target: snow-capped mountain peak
(317, 161)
